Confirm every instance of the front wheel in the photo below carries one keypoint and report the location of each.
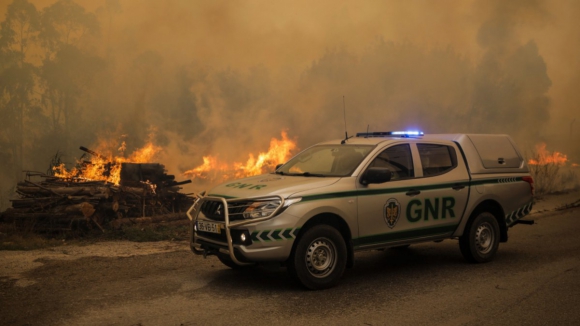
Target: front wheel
(480, 238)
(319, 259)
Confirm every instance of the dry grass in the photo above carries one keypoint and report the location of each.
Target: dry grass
(552, 178)
(12, 238)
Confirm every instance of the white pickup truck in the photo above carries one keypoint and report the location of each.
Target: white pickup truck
(372, 191)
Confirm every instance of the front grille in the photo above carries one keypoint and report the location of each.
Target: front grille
(214, 210)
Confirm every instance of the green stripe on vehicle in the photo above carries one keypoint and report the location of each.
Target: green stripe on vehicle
(222, 196)
(511, 218)
(403, 235)
(255, 236)
(274, 235)
(374, 192)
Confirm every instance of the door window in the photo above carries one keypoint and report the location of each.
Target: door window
(436, 159)
(398, 159)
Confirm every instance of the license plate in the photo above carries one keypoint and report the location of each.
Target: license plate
(208, 227)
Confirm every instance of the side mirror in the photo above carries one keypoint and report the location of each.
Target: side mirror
(375, 175)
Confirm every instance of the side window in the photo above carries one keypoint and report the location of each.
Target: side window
(398, 159)
(436, 159)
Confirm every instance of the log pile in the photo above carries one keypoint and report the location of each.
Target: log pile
(146, 194)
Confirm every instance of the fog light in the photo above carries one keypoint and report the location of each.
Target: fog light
(243, 237)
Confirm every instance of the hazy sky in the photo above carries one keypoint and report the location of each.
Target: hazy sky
(290, 39)
(287, 36)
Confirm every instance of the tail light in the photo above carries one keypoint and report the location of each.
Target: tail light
(530, 180)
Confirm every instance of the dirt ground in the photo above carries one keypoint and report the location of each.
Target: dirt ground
(121, 265)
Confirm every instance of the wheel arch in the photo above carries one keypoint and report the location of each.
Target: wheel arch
(496, 210)
(338, 223)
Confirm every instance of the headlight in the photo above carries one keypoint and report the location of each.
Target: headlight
(266, 208)
(261, 209)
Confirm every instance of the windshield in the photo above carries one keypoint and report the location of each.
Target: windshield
(326, 161)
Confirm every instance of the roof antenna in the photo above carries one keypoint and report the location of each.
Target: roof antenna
(345, 132)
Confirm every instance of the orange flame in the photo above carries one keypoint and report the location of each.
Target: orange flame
(106, 167)
(279, 152)
(544, 157)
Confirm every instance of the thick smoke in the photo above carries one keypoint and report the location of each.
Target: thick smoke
(223, 78)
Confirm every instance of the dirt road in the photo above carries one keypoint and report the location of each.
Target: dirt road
(534, 280)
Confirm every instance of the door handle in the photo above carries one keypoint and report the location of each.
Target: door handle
(458, 186)
(413, 192)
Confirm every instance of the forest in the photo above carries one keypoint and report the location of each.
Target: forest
(73, 74)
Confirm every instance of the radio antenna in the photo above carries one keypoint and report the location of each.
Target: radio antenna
(344, 112)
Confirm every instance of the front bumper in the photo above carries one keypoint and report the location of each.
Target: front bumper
(266, 238)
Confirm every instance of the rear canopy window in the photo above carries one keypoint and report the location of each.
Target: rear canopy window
(496, 151)
(436, 159)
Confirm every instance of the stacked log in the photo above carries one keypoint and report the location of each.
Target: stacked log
(146, 194)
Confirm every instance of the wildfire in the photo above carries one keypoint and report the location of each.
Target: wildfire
(544, 157)
(279, 152)
(106, 167)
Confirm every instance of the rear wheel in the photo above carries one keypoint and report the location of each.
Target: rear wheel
(319, 259)
(480, 239)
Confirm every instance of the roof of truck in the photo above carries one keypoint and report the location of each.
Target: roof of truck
(374, 138)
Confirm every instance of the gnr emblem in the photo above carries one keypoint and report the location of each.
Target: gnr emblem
(392, 211)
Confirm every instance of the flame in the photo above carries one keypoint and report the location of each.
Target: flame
(544, 157)
(106, 167)
(210, 164)
(212, 169)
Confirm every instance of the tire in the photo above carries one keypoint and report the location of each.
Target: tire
(480, 239)
(319, 258)
(231, 264)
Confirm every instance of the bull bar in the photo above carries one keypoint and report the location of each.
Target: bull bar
(196, 208)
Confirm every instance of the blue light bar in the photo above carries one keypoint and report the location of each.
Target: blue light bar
(408, 133)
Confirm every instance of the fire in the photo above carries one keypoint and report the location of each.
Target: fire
(544, 157)
(106, 167)
(279, 152)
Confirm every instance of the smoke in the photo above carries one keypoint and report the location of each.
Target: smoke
(223, 78)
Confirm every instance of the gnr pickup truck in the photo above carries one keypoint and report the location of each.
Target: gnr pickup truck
(372, 191)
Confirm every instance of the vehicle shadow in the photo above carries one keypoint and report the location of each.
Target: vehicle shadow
(378, 266)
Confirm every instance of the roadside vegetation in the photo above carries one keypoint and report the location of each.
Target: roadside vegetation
(19, 238)
(552, 172)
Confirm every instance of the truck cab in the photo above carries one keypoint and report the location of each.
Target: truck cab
(372, 191)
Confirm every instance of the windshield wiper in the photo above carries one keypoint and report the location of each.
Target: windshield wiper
(304, 174)
(308, 174)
